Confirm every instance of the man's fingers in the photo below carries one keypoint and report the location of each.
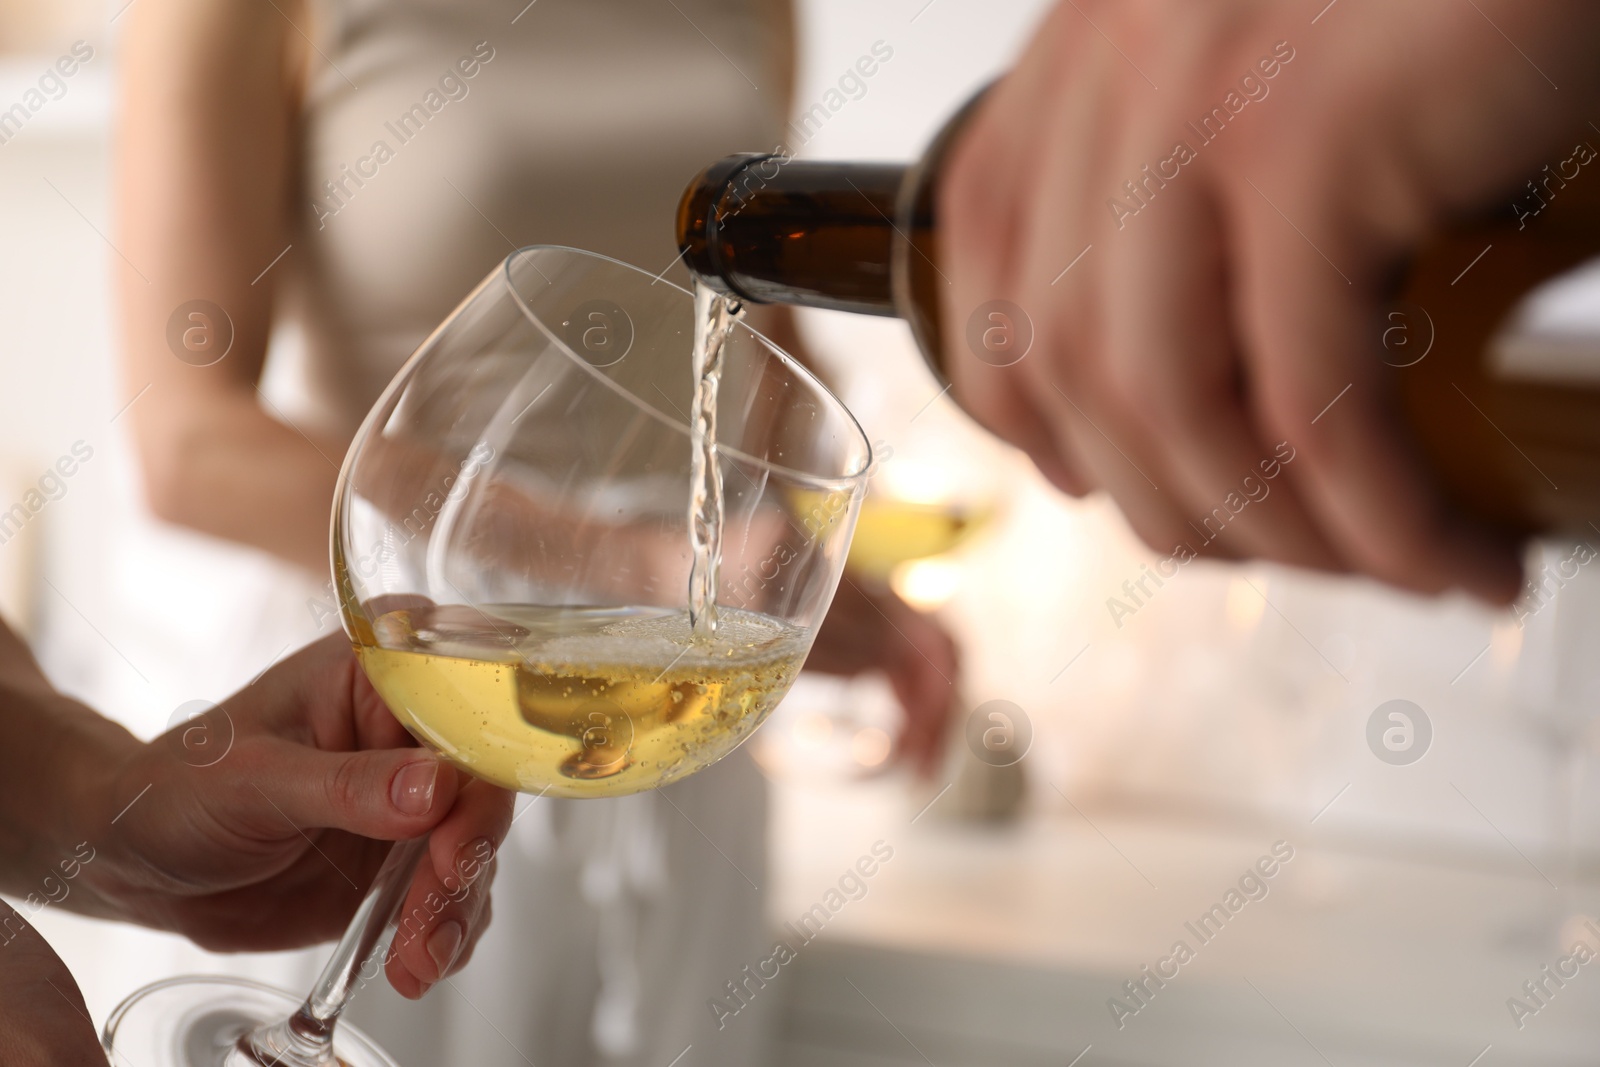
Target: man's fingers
(1313, 345)
(1171, 344)
(980, 214)
(1028, 428)
(986, 219)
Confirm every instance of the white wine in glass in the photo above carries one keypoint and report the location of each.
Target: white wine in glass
(515, 540)
(580, 702)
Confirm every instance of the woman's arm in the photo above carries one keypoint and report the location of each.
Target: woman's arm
(43, 1020)
(205, 182)
(54, 753)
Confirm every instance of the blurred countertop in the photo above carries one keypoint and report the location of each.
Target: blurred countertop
(995, 945)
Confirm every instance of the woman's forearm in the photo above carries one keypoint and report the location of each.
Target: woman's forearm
(232, 470)
(207, 149)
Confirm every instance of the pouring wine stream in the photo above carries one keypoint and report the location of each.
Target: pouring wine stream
(715, 316)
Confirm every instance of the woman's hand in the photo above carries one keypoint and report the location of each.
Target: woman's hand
(870, 628)
(1201, 207)
(259, 824)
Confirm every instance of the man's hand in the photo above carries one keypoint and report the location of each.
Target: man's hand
(260, 824)
(43, 1021)
(1205, 264)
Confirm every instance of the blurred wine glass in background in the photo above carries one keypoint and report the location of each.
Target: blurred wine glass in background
(938, 485)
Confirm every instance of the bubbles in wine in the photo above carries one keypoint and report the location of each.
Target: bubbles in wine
(575, 701)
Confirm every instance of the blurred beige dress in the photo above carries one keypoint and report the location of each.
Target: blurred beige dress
(439, 135)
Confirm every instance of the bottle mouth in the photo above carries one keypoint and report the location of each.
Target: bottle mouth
(700, 214)
(858, 450)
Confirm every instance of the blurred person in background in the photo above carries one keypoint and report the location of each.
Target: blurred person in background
(262, 847)
(351, 169)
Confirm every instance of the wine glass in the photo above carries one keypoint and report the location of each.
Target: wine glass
(512, 550)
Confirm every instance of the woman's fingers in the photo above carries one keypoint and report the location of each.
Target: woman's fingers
(318, 696)
(442, 918)
(923, 675)
(871, 628)
(269, 786)
(445, 914)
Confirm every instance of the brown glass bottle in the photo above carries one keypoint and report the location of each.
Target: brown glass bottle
(858, 237)
(1520, 451)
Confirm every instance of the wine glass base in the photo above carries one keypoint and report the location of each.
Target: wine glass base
(196, 1021)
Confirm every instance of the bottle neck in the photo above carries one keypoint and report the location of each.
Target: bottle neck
(858, 237)
(777, 230)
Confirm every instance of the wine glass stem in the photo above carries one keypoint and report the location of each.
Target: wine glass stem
(305, 1039)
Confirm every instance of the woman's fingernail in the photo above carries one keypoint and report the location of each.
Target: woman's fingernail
(444, 945)
(412, 790)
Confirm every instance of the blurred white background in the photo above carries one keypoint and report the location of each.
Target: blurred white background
(1170, 750)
